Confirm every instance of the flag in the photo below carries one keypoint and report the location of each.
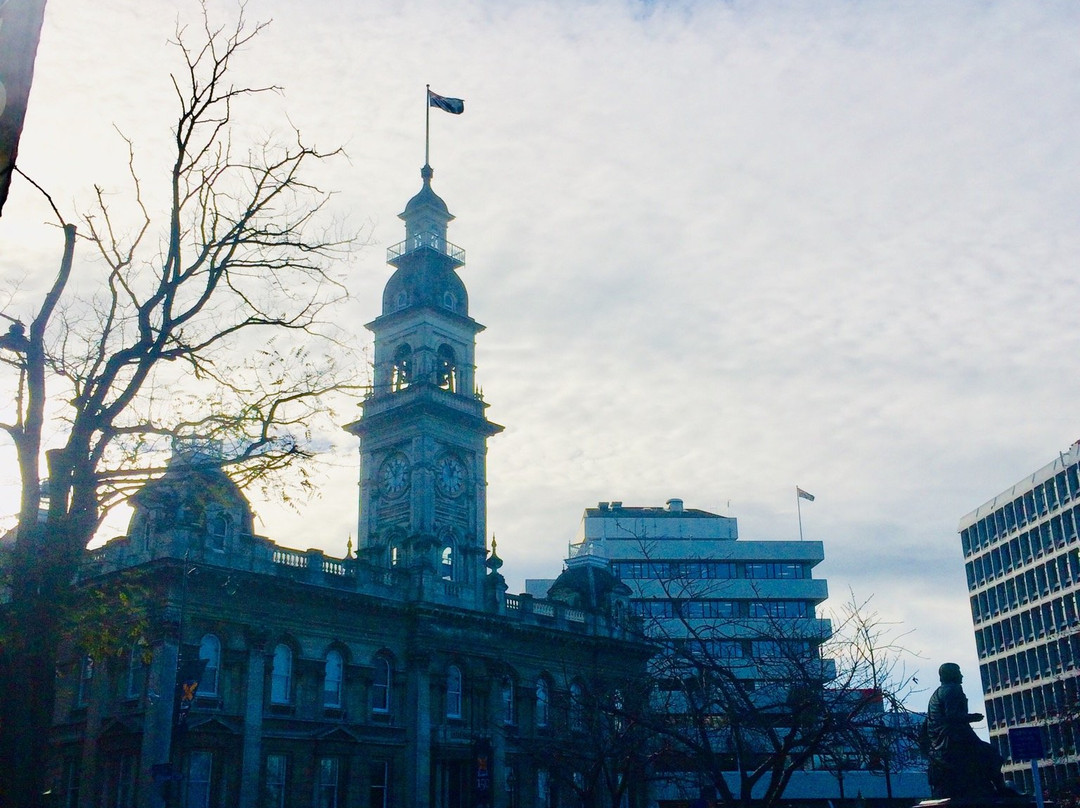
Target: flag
(20, 30)
(455, 106)
(804, 494)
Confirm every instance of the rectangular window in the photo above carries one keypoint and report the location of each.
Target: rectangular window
(274, 785)
(72, 774)
(379, 785)
(123, 781)
(200, 767)
(778, 608)
(86, 680)
(328, 783)
(708, 609)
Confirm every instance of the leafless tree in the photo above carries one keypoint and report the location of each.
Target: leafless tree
(742, 700)
(212, 324)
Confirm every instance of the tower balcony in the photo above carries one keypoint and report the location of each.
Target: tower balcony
(428, 241)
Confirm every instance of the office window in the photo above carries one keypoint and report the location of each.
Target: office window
(274, 784)
(210, 650)
(86, 680)
(333, 678)
(197, 790)
(453, 692)
(281, 675)
(380, 686)
(328, 786)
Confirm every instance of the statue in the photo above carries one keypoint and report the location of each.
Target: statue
(962, 765)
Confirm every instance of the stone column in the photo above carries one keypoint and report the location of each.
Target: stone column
(253, 720)
(416, 713)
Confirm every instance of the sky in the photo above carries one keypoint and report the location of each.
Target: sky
(721, 249)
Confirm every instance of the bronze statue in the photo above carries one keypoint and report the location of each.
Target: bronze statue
(962, 765)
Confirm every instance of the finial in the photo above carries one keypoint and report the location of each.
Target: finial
(348, 547)
(426, 173)
(494, 563)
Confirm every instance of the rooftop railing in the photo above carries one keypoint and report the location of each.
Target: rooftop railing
(432, 241)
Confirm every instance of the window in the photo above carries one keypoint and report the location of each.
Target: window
(543, 789)
(137, 668)
(200, 765)
(86, 680)
(72, 775)
(378, 785)
(210, 650)
(274, 786)
(447, 378)
(543, 703)
(281, 675)
(774, 569)
(402, 372)
(453, 692)
(327, 796)
(219, 530)
(121, 783)
(508, 714)
(448, 563)
(449, 301)
(380, 686)
(333, 678)
(577, 707)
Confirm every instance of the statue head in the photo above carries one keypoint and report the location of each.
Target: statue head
(949, 673)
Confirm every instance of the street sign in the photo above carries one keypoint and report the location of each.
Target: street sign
(1025, 743)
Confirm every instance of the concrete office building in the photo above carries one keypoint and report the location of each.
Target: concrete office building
(1022, 558)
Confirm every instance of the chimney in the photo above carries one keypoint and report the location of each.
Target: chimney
(675, 505)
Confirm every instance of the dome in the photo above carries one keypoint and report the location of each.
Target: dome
(426, 201)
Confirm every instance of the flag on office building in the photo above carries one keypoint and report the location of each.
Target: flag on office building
(20, 30)
(455, 106)
(804, 494)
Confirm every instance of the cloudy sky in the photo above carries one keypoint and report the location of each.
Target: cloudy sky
(721, 249)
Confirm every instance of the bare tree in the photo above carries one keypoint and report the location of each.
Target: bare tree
(213, 324)
(745, 700)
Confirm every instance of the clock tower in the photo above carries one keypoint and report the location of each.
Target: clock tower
(423, 432)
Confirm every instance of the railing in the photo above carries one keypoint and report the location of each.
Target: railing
(430, 240)
(290, 558)
(332, 567)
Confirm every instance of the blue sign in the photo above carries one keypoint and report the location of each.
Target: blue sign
(1026, 743)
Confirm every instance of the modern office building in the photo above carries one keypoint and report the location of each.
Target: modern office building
(688, 571)
(1022, 558)
(403, 675)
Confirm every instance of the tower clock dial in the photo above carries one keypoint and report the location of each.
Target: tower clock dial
(394, 475)
(450, 476)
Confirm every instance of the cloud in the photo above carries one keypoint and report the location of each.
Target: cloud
(720, 248)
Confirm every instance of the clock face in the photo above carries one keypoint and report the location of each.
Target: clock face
(394, 475)
(450, 476)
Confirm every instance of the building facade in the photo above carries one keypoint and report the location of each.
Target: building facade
(256, 675)
(1022, 559)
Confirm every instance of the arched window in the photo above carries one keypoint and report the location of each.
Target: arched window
(447, 565)
(281, 675)
(447, 378)
(449, 300)
(453, 692)
(543, 702)
(210, 650)
(577, 707)
(333, 679)
(509, 715)
(219, 529)
(397, 555)
(380, 686)
(402, 375)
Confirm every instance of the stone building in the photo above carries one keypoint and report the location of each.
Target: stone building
(401, 675)
(1022, 558)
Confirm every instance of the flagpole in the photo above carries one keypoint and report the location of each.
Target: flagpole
(798, 505)
(427, 123)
